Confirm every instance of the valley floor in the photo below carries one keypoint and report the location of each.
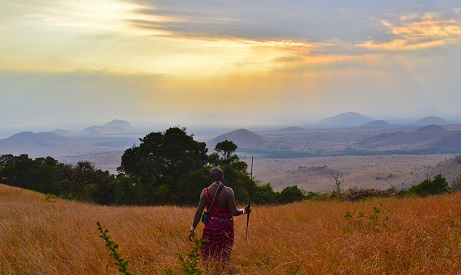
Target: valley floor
(381, 172)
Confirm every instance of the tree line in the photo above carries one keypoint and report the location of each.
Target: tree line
(166, 168)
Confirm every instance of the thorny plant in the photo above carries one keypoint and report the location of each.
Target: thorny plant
(361, 221)
(119, 261)
(189, 260)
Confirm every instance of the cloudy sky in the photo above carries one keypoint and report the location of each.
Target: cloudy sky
(183, 62)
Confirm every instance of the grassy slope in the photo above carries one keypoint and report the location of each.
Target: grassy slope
(414, 235)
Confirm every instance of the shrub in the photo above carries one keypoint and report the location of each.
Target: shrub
(427, 187)
(291, 194)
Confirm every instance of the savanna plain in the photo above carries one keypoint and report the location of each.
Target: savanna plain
(43, 235)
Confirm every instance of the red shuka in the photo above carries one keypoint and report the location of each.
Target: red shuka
(218, 234)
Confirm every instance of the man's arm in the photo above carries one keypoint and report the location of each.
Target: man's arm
(232, 205)
(198, 214)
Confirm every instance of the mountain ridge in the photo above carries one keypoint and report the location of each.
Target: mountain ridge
(344, 120)
(241, 137)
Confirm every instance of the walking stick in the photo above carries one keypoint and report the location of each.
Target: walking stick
(249, 196)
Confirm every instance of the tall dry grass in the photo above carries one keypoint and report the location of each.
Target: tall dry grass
(409, 236)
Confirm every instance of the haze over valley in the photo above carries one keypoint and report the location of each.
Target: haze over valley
(365, 152)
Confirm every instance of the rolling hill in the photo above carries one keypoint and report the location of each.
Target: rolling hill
(34, 139)
(376, 123)
(430, 120)
(451, 141)
(350, 119)
(407, 138)
(113, 127)
(241, 137)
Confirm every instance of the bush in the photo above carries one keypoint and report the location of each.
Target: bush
(427, 187)
(291, 194)
(264, 194)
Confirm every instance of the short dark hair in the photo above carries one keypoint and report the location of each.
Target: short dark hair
(216, 174)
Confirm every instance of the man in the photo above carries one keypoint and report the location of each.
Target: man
(218, 234)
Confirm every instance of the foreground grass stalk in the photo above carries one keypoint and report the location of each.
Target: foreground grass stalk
(119, 261)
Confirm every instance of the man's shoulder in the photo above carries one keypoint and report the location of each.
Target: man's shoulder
(229, 190)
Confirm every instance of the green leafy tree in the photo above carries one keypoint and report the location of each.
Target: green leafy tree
(264, 194)
(18, 171)
(193, 184)
(291, 194)
(438, 185)
(161, 162)
(83, 182)
(225, 150)
(45, 175)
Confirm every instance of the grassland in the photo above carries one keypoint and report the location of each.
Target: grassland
(381, 236)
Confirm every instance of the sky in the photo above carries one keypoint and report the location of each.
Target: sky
(68, 63)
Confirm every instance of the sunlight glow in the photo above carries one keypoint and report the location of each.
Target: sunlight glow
(104, 15)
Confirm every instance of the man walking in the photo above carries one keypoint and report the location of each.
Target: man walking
(218, 234)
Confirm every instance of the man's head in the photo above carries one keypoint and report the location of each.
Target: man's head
(216, 174)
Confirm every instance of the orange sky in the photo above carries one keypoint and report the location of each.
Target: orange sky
(178, 62)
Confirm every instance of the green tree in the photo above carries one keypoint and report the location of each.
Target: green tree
(291, 194)
(45, 175)
(83, 182)
(264, 194)
(226, 149)
(18, 171)
(161, 162)
(438, 185)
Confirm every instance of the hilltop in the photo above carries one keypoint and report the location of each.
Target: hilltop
(448, 142)
(33, 139)
(240, 137)
(430, 120)
(408, 138)
(113, 127)
(344, 120)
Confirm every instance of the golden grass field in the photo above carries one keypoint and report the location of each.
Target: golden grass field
(409, 236)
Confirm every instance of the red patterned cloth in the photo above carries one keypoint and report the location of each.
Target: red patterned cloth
(218, 234)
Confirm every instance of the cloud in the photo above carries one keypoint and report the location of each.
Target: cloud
(333, 27)
(416, 32)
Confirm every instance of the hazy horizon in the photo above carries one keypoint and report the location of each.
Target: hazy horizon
(73, 64)
(192, 128)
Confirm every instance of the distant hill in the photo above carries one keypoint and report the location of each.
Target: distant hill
(376, 123)
(430, 120)
(241, 137)
(69, 149)
(410, 138)
(33, 144)
(118, 125)
(433, 128)
(451, 141)
(350, 119)
(33, 139)
(113, 127)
